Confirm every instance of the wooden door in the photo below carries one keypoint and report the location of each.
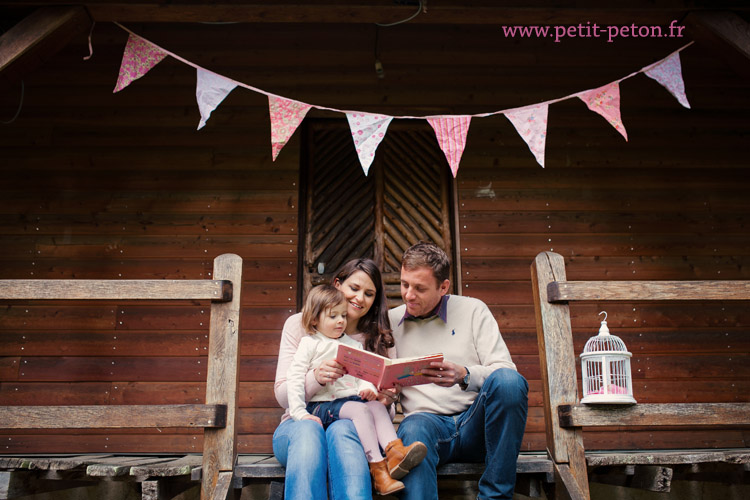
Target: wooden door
(406, 197)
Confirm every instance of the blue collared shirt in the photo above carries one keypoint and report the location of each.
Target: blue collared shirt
(441, 311)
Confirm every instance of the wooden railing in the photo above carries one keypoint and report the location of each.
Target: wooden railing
(564, 416)
(216, 416)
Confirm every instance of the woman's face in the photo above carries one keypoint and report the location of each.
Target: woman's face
(360, 293)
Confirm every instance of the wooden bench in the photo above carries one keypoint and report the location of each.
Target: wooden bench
(216, 416)
(534, 474)
(565, 417)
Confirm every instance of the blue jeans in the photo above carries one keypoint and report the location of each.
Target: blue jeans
(489, 431)
(309, 454)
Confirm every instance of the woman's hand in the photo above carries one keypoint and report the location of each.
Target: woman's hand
(445, 374)
(328, 371)
(313, 417)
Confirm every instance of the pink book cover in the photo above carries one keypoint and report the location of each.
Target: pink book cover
(383, 372)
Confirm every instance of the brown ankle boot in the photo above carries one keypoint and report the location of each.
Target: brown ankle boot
(382, 481)
(401, 459)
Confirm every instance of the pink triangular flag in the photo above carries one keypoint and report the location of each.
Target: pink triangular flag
(286, 115)
(669, 73)
(137, 59)
(606, 101)
(531, 125)
(451, 136)
(210, 90)
(367, 132)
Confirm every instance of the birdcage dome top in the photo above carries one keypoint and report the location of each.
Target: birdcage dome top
(605, 344)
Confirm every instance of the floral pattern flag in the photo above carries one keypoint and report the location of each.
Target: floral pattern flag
(286, 115)
(210, 90)
(606, 101)
(368, 131)
(531, 125)
(669, 73)
(137, 60)
(451, 136)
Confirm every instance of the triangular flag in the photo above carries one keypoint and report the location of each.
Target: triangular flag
(606, 101)
(367, 132)
(137, 59)
(210, 90)
(451, 136)
(286, 115)
(531, 124)
(669, 73)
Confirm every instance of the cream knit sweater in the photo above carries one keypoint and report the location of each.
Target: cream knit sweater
(470, 338)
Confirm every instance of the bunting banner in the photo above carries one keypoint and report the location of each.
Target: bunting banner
(531, 125)
(137, 60)
(606, 101)
(210, 90)
(286, 115)
(367, 132)
(668, 73)
(369, 129)
(451, 136)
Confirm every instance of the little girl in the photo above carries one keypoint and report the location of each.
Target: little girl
(324, 318)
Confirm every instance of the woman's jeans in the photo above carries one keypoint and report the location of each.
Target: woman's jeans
(309, 454)
(489, 431)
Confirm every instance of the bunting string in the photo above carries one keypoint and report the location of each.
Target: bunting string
(369, 129)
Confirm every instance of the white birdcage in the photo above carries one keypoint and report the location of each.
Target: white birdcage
(605, 369)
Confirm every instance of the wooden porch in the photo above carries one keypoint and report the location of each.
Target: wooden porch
(106, 186)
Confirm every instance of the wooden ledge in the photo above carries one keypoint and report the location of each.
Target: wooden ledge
(634, 291)
(674, 414)
(112, 416)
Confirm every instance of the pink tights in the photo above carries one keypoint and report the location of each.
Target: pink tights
(373, 424)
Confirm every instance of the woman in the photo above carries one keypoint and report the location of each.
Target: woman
(303, 447)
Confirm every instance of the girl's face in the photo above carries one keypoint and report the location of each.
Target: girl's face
(332, 322)
(360, 293)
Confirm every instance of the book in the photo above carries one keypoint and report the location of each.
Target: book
(384, 372)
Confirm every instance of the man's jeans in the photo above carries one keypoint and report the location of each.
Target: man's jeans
(309, 454)
(489, 431)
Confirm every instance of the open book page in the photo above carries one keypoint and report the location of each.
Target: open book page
(383, 372)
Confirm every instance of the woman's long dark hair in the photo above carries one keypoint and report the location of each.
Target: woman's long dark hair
(375, 325)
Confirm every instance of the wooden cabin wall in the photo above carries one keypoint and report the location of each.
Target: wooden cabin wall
(103, 185)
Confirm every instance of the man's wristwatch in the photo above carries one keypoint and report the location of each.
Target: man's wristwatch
(465, 381)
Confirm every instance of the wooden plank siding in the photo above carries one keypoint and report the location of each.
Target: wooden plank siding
(103, 185)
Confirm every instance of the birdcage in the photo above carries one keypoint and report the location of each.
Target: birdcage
(605, 369)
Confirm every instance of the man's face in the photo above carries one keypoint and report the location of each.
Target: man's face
(421, 291)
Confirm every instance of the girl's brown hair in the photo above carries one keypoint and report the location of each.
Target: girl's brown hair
(375, 325)
(319, 299)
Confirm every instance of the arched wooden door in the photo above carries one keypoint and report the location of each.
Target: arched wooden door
(406, 197)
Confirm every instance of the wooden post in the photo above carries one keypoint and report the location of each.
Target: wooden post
(558, 369)
(222, 384)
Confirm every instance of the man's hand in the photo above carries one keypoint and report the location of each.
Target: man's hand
(389, 396)
(445, 374)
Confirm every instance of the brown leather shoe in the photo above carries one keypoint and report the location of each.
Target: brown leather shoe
(382, 481)
(401, 459)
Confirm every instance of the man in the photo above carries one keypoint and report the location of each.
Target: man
(475, 408)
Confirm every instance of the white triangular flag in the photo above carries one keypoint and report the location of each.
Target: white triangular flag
(531, 125)
(210, 90)
(367, 132)
(669, 73)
